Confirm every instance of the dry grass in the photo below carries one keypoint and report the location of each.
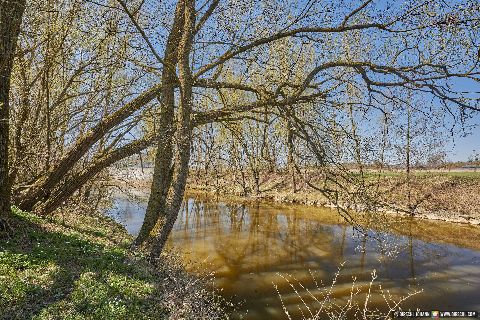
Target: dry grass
(321, 302)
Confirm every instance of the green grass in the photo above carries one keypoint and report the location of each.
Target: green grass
(75, 270)
(459, 174)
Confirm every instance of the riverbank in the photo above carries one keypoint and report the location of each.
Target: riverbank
(249, 246)
(451, 196)
(78, 266)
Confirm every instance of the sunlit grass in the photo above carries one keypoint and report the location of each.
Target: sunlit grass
(53, 271)
(80, 267)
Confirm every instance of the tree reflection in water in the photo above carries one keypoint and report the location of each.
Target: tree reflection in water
(249, 246)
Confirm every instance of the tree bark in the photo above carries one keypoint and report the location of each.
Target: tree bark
(290, 157)
(11, 12)
(183, 133)
(162, 174)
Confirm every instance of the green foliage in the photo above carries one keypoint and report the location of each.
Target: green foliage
(56, 272)
(110, 295)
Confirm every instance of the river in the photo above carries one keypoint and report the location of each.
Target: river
(262, 251)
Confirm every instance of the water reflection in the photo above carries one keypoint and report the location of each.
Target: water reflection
(250, 246)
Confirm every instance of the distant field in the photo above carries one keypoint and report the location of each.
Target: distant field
(467, 173)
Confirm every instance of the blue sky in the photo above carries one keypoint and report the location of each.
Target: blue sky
(462, 147)
(458, 146)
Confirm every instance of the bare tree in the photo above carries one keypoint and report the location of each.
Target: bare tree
(88, 97)
(76, 102)
(406, 52)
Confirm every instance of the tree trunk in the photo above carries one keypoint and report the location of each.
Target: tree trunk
(77, 181)
(162, 173)
(11, 12)
(182, 157)
(183, 133)
(256, 181)
(408, 151)
(290, 158)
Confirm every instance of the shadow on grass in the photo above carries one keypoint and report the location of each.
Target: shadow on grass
(44, 273)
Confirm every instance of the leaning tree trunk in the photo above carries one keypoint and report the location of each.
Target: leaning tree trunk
(44, 186)
(162, 173)
(75, 183)
(11, 12)
(183, 132)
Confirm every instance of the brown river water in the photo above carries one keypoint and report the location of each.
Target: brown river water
(260, 252)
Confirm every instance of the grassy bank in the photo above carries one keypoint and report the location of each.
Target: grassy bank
(73, 266)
